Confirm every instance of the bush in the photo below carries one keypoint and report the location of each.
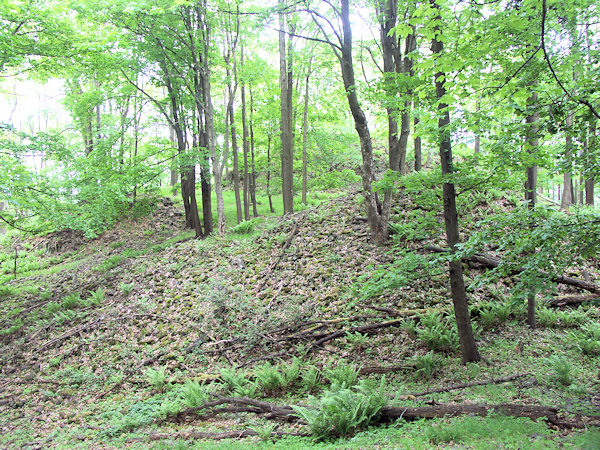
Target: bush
(245, 227)
(341, 411)
(342, 375)
(193, 394)
(438, 333)
(561, 369)
(71, 301)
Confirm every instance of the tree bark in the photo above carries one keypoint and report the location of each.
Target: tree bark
(269, 174)
(246, 149)
(468, 346)
(236, 170)
(568, 197)
(591, 143)
(253, 166)
(531, 187)
(305, 136)
(407, 64)
(287, 144)
(377, 213)
(417, 145)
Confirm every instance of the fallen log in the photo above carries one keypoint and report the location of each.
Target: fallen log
(568, 300)
(391, 413)
(491, 262)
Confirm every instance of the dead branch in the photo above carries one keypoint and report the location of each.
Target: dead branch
(454, 387)
(453, 410)
(72, 332)
(382, 369)
(273, 266)
(491, 262)
(239, 434)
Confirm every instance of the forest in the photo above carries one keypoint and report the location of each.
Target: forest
(299, 224)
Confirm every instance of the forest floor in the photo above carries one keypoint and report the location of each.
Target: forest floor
(116, 342)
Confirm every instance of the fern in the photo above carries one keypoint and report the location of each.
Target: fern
(341, 411)
(343, 375)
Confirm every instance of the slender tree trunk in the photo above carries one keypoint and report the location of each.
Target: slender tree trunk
(568, 197)
(236, 170)
(377, 213)
(459, 295)
(173, 168)
(305, 136)
(253, 167)
(218, 175)
(417, 145)
(388, 13)
(269, 174)
(207, 219)
(477, 135)
(410, 46)
(246, 148)
(287, 149)
(530, 189)
(591, 143)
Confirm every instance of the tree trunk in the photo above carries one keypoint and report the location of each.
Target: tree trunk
(305, 136)
(459, 295)
(253, 167)
(417, 144)
(591, 143)
(287, 149)
(246, 148)
(388, 14)
(207, 219)
(530, 189)
(477, 135)
(236, 170)
(378, 221)
(568, 197)
(269, 174)
(410, 46)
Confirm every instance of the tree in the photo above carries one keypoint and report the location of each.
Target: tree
(286, 55)
(468, 346)
(377, 211)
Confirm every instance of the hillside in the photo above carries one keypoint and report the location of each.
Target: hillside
(107, 341)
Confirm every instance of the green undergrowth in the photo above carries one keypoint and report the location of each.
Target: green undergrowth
(151, 328)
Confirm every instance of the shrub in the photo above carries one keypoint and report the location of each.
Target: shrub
(71, 301)
(97, 297)
(156, 377)
(587, 338)
(269, 377)
(428, 364)
(193, 394)
(561, 369)
(310, 378)
(245, 227)
(340, 411)
(126, 288)
(342, 375)
(438, 333)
